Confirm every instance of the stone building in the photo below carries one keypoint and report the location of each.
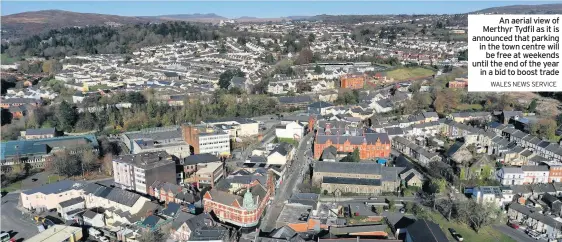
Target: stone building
(360, 178)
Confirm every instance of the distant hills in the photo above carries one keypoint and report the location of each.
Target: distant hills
(525, 9)
(28, 23)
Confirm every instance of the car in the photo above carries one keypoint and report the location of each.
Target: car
(534, 234)
(402, 210)
(34, 179)
(513, 225)
(452, 231)
(458, 237)
(104, 239)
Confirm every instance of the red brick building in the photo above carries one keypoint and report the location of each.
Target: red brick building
(352, 81)
(168, 192)
(345, 139)
(244, 208)
(459, 83)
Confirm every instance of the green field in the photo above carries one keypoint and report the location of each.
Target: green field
(12, 187)
(486, 234)
(402, 74)
(7, 60)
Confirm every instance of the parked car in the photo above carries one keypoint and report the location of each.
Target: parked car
(402, 210)
(534, 234)
(104, 239)
(456, 235)
(513, 225)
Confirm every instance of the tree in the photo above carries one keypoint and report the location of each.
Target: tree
(532, 106)
(476, 214)
(544, 128)
(303, 87)
(391, 204)
(151, 235)
(311, 38)
(355, 155)
(438, 185)
(89, 161)
(305, 56)
(65, 164)
(409, 206)
(6, 116)
(136, 98)
(269, 58)
(226, 77)
(66, 116)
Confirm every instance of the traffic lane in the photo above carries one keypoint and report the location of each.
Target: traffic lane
(515, 234)
(13, 220)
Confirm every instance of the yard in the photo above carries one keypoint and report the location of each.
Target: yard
(402, 74)
(7, 60)
(469, 107)
(486, 234)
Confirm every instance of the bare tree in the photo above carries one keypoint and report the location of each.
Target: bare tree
(445, 205)
(477, 215)
(150, 236)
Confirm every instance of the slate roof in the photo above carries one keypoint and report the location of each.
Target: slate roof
(180, 219)
(426, 231)
(90, 214)
(532, 213)
(348, 167)
(329, 153)
(113, 194)
(55, 188)
(283, 149)
(224, 197)
(295, 99)
(535, 168)
(171, 210)
(320, 104)
(200, 159)
(71, 202)
(351, 181)
(207, 233)
(369, 138)
(43, 131)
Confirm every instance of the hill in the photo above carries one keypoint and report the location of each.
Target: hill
(525, 9)
(29, 23)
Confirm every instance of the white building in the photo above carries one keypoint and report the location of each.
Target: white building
(495, 195)
(535, 174)
(292, 130)
(244, 127)
(511, 176)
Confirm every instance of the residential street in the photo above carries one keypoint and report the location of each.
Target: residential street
(515, 234)
(289, 184)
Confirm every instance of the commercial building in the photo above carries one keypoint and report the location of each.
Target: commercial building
(242, 127)
(292, 130)
(243, 208)
(58, 233)
(138, 171)
(352, 81)
(207, 139)
(167, 139)
(346, 139)
(49, 196)
(207, 174)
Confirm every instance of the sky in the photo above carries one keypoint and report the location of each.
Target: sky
(261, 9)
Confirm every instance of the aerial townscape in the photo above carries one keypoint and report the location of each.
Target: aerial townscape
(325, 128)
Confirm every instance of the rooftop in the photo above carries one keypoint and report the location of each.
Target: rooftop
(56, 233)
(55, 188)
(148, 160)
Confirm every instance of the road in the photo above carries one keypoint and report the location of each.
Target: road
(293, 176)
(21, 227)
(515, 234)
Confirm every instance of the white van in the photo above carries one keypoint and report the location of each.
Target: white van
(94, 232)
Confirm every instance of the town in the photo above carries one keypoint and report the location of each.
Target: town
(346, 128)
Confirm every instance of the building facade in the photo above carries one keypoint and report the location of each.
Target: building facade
(243, 209)
(138, 171)
(207, 139)
(352, 81)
